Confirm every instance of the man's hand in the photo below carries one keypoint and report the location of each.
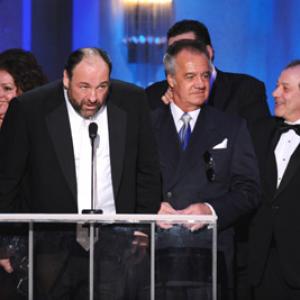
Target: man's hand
(167, 98)
(6, 265)
(196, 209)
(166, 209)
(139, 247)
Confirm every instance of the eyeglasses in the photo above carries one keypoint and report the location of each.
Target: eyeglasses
(209, 165)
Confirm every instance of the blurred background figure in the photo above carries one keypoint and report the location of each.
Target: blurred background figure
(19, 72)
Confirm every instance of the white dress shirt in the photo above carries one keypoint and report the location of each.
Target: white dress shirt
(103, 190)
(177, 114)
(285, 148)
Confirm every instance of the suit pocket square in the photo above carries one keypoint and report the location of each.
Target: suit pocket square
(222, 145)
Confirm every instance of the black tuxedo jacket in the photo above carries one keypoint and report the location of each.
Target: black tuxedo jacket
(36, 140)
(278, 216)
(235, 190)
(238, 94)
(36, 144)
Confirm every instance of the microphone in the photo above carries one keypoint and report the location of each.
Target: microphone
(93, 130)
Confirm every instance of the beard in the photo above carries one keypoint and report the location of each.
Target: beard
(79, 106)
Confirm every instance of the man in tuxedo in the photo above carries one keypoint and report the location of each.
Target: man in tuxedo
(274, 232)
(238, 94)
(207, 160)
(45, 136)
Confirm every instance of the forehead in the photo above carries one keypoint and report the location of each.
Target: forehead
(91, 67)
(5, 77)
(187, 60)
(290, 76)
(183, 36)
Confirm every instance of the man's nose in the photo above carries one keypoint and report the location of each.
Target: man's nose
(276, 93)
(199, 82)
(93, 95)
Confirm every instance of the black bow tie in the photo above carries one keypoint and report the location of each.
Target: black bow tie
(284, 127)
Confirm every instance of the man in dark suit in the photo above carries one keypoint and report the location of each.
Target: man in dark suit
(238, 94)
(207, 162)
(45, 136)
(274, 232)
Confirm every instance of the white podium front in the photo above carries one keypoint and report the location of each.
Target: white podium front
(133, 257)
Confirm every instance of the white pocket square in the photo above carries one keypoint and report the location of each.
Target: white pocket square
(222, 145)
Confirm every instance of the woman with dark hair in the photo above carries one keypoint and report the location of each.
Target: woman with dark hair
(19, 72)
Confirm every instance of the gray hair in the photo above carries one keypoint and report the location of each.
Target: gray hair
(177, 47)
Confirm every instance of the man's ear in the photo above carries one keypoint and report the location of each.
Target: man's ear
(171, 80)
(210, 51)
(66, 80)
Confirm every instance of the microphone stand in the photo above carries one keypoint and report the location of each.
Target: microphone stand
(94, 232)
(93, 128)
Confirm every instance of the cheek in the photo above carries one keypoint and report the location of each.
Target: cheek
(3, 108)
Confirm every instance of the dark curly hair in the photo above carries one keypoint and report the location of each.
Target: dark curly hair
(23, 67)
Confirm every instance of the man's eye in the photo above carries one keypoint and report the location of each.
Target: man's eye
(189, 77)
(206, 75)
(8, 88)
(103, 86)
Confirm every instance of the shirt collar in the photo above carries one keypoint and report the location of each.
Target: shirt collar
(293, 123)
(178, 112)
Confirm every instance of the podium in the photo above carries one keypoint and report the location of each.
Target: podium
(134, 257)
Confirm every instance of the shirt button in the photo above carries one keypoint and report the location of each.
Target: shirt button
(169, 195)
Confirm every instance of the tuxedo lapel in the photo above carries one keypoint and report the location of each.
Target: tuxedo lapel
(270, 175)
(117, 124)
(60, 133)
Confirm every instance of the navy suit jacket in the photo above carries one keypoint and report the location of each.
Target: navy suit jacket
(235, 191)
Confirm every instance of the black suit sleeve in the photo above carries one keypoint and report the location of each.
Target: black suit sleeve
(148, 171)
(243, 195)
(13, 156)
(155, 92)
(253, 103)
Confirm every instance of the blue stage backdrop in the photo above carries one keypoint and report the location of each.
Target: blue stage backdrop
(250, 36)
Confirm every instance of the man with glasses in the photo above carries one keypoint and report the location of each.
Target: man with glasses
(207, 162)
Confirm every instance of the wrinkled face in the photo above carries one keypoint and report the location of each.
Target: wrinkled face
(190, 82)
(8, 90)
(287, 94)
(89, 85)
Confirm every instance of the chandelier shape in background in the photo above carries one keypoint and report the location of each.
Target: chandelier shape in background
(146, 23)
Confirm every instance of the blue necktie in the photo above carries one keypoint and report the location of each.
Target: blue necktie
(185, 131)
